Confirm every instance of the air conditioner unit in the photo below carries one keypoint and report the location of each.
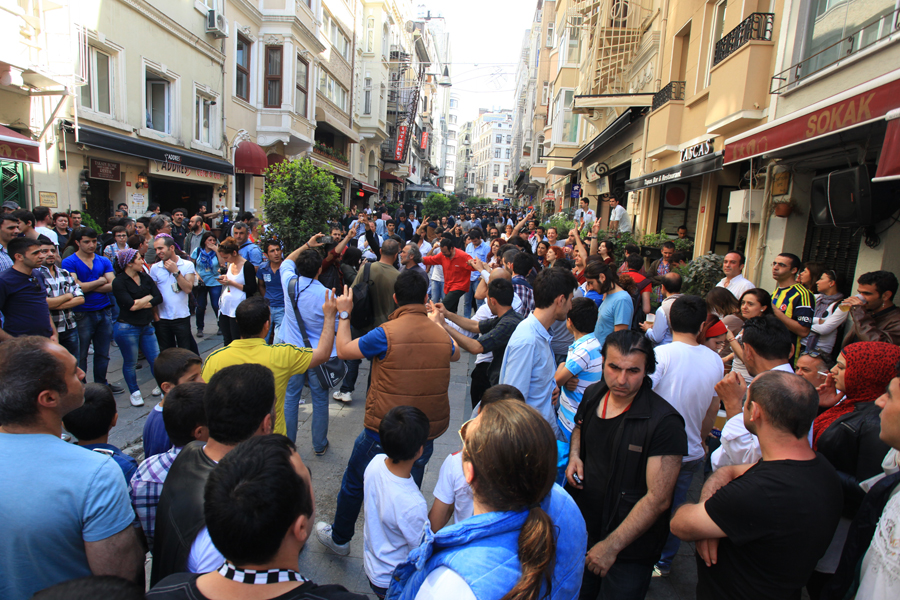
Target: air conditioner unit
(745, 206)
(216, 25)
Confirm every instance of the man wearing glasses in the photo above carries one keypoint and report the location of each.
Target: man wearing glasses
(792, 303)
(23, 294)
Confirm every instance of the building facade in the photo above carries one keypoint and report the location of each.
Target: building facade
(492, 148)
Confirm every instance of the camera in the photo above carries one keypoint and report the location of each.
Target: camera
(325, 240)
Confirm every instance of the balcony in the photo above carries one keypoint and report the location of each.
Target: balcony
(673, 91)
(863, 38)
(757, 26)
(330, 153)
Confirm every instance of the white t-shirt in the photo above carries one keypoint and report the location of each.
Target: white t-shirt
(686, 377)
(621, 215)
(396, 517)
(367, 252)
(204, 556)
(54, 237)
(588, 216)
(880, 576)
(452, 488)
(175, 303)
(443, 583)
(737, 286)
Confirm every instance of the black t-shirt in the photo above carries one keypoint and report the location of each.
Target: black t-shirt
(598, 439)
(183, 586)
(779, 517)
(496, 332)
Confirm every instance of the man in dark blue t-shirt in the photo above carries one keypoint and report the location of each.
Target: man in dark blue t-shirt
(23, 294)
(270, 286)
(94, 273)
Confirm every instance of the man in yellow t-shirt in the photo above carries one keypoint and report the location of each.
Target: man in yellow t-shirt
(284, 360)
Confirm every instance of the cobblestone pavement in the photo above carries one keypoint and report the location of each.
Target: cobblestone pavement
(345, 423)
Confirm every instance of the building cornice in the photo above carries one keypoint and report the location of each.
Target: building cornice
(153, 14)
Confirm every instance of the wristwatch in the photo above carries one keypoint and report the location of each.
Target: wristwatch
(344, 315)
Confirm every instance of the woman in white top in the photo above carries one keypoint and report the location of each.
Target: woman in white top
(238, 279)
(754, 303)
(828, 317)
(437, 276)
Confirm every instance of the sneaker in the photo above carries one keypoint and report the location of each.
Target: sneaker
(345, 397)
(322, 451)
(659, 572)
(91, 349)
(137, 399)
(323, 534)
(200, 333)
(116, 389)
(156, 391)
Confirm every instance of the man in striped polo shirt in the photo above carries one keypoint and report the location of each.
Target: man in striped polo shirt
(792, 303)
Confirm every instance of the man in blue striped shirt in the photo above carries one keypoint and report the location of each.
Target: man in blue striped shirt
(584, 363)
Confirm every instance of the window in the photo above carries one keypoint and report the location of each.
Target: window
(496, 170)
(565, 124)
(451, 165)
(551, 40)
(499, 139)
(97, 93)
(242, 69)
(204, 109)
(158, 104)
(496, 152)
(506, 172)
(449, 180)
(382, 105)
(573, 49)
(370, 35)
(338, 39)
(332, 90)
(830, 21)
(367, 96)
(385, 36)
(451, 135)
(454, 102)
(508, 141)
(496, 188)
(507, 153)
(545, 93)
(718, 25)
(273, 77)
(301, 97)
(453, 119)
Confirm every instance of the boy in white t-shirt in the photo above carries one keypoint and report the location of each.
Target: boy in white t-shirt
(452, 494)
(396, 511)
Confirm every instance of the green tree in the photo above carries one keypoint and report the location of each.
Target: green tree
(436, 205)
(299, 200)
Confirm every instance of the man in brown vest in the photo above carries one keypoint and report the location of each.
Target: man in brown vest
(411, 359)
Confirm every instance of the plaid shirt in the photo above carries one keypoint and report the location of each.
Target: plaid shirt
(6, 261)
(60, 285)
(525, 293)
(147, 486)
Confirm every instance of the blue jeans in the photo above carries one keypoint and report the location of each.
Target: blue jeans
(114, 308)
(200, 294)
(437, 291)
(69, 340)
(95, 326)
(275, 325)
(623, 581)
(319, 405)
(350, 498)
(130, 338)
(682, 485)
(470, 300)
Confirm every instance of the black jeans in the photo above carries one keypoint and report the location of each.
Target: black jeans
(451, 300)
(480, 381)
(229, 328)
(623, 581)
(175, 333)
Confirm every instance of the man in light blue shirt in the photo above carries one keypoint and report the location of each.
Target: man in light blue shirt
(303, 267)
(528, 363)
(659, 331)
(247, 249)
(476, 249)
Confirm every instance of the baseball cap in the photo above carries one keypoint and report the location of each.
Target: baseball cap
(11, 205)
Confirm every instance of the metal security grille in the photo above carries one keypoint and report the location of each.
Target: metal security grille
(835, 247)
(12, 175)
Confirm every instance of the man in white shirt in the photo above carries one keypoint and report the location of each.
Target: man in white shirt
(686, 376)
(734, 281)
(618, 217)
(43, 225)
(768, 346)
(584, 216)
(175, 279)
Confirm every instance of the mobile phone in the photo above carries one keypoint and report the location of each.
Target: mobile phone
(576, 478)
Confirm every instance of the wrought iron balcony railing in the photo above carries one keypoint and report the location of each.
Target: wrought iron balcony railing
(757, 26)
(673, 91)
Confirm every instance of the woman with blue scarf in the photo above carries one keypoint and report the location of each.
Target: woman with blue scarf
(207, 264)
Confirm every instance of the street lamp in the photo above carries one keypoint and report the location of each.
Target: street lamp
(444, 81)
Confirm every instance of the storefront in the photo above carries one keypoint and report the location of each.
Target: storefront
(16, 151)
(362, 194)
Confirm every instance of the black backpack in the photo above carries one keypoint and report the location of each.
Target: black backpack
(363, 315)
(637, 315)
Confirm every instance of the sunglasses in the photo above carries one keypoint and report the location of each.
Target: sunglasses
(462, 431)
(812, 354)
(34, 283)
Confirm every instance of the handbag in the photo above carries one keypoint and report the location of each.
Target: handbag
(331, 372)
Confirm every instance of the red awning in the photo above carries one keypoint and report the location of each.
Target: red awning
(17, 147)
(385, 176)
(366, 187)
(857, 106)
(250, 159)
(889, 161)
(275, 159)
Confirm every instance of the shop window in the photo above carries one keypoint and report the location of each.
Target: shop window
(242, 68)
(204, 119)
(674, 202)
(96, 94)
(301, 97)
(158, 103)
(273, 77)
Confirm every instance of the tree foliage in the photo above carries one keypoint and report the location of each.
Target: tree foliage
(299, 200)
(701, 274)
(436, 205)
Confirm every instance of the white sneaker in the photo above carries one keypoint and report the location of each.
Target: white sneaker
(344, 397)
(323, 534)
(137, 399)
(337, 395)
(156, 391)
(91, 349)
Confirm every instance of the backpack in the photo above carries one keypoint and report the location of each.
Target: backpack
(363, 315)
(637, 315)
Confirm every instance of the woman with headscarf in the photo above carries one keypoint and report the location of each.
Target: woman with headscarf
(136, 294)
(847, 433)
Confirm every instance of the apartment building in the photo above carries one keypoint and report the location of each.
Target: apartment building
(492, 147)
(465, 161)
(451, 176)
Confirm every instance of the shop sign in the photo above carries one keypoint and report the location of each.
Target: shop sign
(401, 142)
(697, 150)
(424, 140)
(849, 112)
(576, 191)
(106, 170)
(138, 204)
(169, 168)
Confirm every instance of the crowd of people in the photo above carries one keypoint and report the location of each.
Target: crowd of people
(599, 393)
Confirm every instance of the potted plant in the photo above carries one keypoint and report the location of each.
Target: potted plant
(651, 244)
(782, 206)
